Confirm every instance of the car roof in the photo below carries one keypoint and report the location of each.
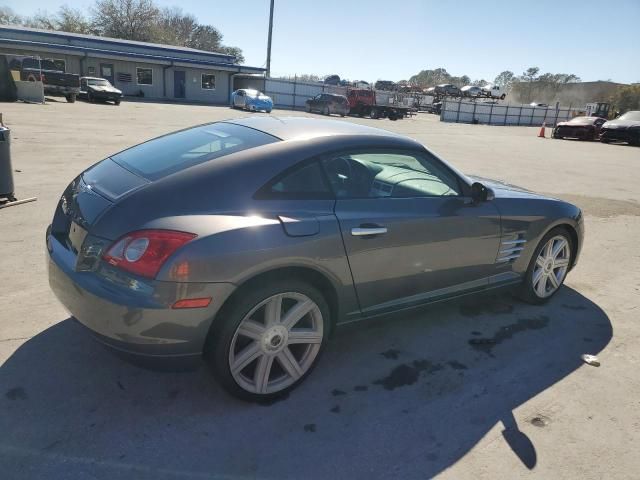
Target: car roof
(295, 128)
(93, 78)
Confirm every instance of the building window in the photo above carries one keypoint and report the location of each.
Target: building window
(91, 70)
(145, 76)
(208, 81)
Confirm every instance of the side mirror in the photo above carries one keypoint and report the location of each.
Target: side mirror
(480, 193)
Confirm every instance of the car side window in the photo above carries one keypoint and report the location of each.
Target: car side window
(389, 173)
(302, 182)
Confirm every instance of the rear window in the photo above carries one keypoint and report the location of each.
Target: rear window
(171, 153)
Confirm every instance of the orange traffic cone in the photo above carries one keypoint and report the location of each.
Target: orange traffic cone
(541, 134)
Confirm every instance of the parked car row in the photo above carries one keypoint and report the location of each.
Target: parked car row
(625, 128)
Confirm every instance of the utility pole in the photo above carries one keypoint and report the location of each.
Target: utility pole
(269, 41)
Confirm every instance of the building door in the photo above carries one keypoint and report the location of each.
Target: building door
(106, 72)
(179, 84)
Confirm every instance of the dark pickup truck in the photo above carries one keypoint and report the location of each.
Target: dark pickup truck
(53, 77)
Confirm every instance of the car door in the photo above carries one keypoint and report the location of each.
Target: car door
(410, 231)
(239, 99)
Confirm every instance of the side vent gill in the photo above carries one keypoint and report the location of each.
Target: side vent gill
(511, 248)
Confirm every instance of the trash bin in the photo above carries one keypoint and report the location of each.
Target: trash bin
(6, 172)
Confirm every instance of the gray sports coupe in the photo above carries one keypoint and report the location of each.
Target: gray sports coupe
(247, 241)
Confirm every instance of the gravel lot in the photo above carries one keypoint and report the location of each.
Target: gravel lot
(403, 397)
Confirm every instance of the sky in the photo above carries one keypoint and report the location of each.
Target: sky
(381, 39)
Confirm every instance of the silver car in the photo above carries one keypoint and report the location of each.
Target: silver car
(248, 241)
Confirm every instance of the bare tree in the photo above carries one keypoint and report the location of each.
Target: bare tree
(9, 17)
(73, 20)
(127, 19)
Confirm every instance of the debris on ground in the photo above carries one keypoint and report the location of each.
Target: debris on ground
(590, 360)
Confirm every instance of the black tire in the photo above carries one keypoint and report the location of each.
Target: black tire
(308, 108)
(325, 110)
(90, 98)
(219, 341)
(634, 140)
(116, 102)
(526, 291)
(604, 140)
(373, 114)
(71, 98)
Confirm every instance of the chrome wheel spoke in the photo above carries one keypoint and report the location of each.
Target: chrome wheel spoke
(296, 313)
(558, 248)
(289, 363)
(251, 329)
(273, 311)
(248, 355)
(263, 370)
(304, 336)
(540, 261)
(537, 275)
(541, 288)
(554, 280)
(561, 263)
(548, 249)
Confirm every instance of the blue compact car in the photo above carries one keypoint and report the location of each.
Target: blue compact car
(252, 100)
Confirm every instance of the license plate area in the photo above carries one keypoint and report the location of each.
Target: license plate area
(76, 236)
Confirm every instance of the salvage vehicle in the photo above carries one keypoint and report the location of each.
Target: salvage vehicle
(328, 103)
(448, 89)
(251, 100)
(363, 102)
(625, 128)
(248, 241)
(492, 91)
(471, 91)
(582, 128)
(95, 89)
(52, 75)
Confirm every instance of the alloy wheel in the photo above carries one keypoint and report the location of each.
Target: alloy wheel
(551, 266)
(276, 343)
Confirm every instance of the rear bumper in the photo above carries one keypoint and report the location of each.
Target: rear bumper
(135, 317)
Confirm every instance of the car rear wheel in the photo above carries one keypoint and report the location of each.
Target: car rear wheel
(548, 267)
(308, 108)
(269, 339)
(325, 110)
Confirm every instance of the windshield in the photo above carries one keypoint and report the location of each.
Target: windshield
(635, 115)
(171, 153)
(99, 83)
(254, 93)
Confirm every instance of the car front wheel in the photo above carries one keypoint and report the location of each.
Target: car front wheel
(268, 339)
(548, 267)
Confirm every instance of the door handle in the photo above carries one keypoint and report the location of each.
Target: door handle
(364, 231)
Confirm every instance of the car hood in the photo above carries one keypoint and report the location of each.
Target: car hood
(579, 125)
(621, 124)
(99, 88)
(506, 190)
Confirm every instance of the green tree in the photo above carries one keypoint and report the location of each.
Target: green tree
(626, 98)
(504, 79)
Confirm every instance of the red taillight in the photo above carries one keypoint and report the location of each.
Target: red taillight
(145, 251)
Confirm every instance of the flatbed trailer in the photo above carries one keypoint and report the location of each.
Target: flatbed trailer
(362, 102)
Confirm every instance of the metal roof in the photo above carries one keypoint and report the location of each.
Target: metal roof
(109, 40)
